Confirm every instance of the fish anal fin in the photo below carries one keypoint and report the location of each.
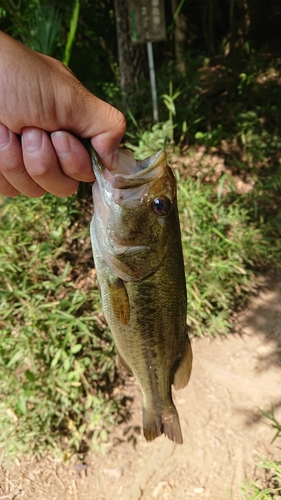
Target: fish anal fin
(124, 363)
(183, 371)
(119, 300)
(166, 423)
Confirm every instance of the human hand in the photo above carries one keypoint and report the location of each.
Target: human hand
(44, 103)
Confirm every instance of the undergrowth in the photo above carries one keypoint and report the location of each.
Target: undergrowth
(56, 362)
(222, 247)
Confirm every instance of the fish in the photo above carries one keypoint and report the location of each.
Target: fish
(137, 250)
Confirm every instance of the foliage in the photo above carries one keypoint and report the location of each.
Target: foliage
(56, 368)
(72, 32)
(273, 492)
(42, 29)
(272, 469)
(54, 27)
(37, 24)
(150, 141)
(275, 424)
(220, 246)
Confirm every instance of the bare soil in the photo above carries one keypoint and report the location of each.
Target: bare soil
(224, 431)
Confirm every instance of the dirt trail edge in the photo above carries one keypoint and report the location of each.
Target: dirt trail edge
(224, 432)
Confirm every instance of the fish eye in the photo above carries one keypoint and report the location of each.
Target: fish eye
(161, 206)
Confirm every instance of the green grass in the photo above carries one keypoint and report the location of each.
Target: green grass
(56, 363)
(271, 476)
(223, 245)
(253, 491)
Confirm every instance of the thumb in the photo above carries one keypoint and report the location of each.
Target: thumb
(100, 122)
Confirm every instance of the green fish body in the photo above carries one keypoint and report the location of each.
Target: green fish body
(137, 251)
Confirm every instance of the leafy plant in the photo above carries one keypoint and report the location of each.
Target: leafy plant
(56, 368)
(72, 32)
(160, 136)
(221, 247)
(43, 29)
(151, 141)
(169, 101)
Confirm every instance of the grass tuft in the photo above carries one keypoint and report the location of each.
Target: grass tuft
(267, 487)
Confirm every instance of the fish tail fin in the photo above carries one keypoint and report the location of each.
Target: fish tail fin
(166, 423)
(183, 371)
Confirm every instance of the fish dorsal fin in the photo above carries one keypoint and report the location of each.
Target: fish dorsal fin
(182, 374)
(119, 300)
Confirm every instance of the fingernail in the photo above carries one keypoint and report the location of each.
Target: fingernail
(32, 140)
(61, 144)
(4, 136)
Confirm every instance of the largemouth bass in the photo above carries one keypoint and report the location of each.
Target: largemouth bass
(137, 251)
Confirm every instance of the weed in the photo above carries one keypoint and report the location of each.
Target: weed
(55, 366)
(271, 488)
(151, 141)
(221, 246)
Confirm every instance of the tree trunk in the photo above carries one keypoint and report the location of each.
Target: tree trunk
(132, 57)
(239, 29)
(180, 36)
(209, 26)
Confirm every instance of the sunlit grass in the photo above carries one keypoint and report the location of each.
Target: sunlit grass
(53, 359)
(253, 491)
(222, 247)
(269, 486)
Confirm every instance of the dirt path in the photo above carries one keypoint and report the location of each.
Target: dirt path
(223, 430)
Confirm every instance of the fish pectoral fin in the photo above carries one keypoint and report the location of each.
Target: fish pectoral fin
(167, 422)
(119, 300)
(124, 363)
(183, 371)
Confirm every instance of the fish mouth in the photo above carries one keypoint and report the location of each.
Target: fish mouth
(130, 172)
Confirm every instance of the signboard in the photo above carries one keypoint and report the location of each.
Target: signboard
(147, 20)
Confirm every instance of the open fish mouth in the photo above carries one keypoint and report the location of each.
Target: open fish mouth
(130, 172)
